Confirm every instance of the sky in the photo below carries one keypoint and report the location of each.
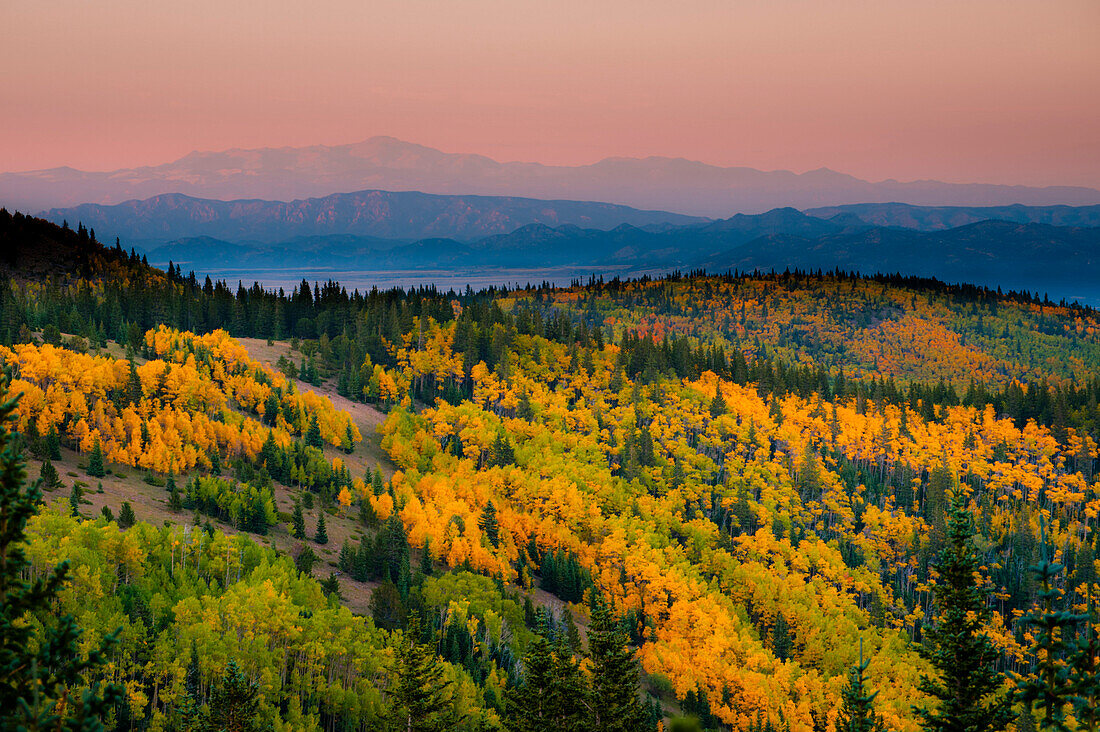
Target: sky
(1000, 91)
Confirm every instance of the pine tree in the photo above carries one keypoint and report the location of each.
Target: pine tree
(51, 481)
(75, 497)
(857, 711)
(215, 461)
(718, 405)
(313, 434)
(175, 504)
(322, 535)
(39, 668)
(299, 521)
(781, 638)
(426, 565)
(331, 586)
(190, 706)
(126, 517)
(95, 461)
(1051, 689)
(488, 524)
(107, 513)
(529, 702)
(53, 444)
(348, 443)
(615, 706)
(964, 657)
(420, 698)
(234, 703)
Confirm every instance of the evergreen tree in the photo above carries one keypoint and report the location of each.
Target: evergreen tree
(51, 481)
(234, 703)
(964, 657)
(426, 565)
(305, 560)
(781, 638)
(529, 701)
(718, 405)
(75, 497)
(615, 706)
(175, 504)
(322, 535)
(95, 461)
(313, 434)
(126, 517)
(40, 667)
(488, 524)
(857, 711)
(420, 698)
(107, 513)
(215, 461)
(1050, 690)
(53, 444)
(299, 521)
(190, 706)
(348, 443)
(331, 586)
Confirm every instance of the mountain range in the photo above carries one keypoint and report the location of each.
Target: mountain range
(386, 163)
(1059, 260)
(377, 214)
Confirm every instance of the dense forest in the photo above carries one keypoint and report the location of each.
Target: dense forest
(748, 501)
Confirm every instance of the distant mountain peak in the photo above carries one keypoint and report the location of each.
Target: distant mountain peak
(388, 163)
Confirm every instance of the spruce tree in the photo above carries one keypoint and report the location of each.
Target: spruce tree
(965, 659)
(299, 521)
(313, 434)
(126, 517)
(488, 524)
(1050, 690)
(53, 444)
(51, 481)
(614, 705)
(331, 586)
(175, 503)
(322, 535)
(348, 443)
(857, 711)
(40, 667)
(718, 405)
(529, 701)
(234, 703)
(95, 461)
(420, 697)
(75, 497)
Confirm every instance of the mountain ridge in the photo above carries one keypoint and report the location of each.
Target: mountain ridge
(654, 182)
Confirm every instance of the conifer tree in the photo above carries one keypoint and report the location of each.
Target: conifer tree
(1050, 690)
(53, 444)
(313, 434)
(95, 461)
(614, 706)
(420, 698)
(348, 443)
(299, 521)
(718, 405)
(40, 669)
(234, 703)
(322, 535)
(529, 702)
(75, 498)
(175, 503)
(51, 481)
(215, 461)
(964, 657)
(426, 565)
(857, 711)
(488, 524)
(126, 517)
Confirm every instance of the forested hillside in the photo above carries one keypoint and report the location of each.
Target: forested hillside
(761, 502)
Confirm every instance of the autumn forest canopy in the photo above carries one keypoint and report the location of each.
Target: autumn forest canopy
(798, 500)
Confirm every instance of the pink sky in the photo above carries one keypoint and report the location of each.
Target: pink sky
(1002, 91)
